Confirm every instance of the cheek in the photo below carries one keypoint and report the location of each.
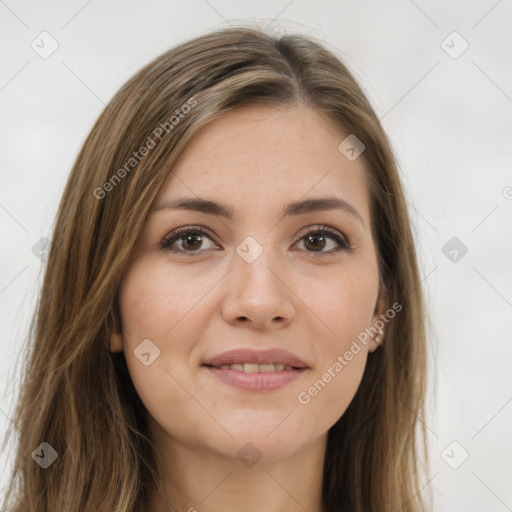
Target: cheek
(163, 307)
(346, 306)
(345, 302)
(156, 301)
(330, 392)
(152, 310)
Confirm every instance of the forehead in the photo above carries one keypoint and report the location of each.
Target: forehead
(256, 155)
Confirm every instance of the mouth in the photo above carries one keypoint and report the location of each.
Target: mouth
(254, 361)
(256, 370)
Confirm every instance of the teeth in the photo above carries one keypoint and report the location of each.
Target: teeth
(255, 368)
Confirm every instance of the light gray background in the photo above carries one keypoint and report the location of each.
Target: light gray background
(449, 120)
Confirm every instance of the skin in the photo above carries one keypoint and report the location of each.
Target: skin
(295, 296)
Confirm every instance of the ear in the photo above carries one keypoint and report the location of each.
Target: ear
(114, 328)
(378, 325)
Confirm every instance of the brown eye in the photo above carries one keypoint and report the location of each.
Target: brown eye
(317, 240)
(186, 240)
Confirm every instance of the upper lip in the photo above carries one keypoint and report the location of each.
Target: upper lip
(246, 355)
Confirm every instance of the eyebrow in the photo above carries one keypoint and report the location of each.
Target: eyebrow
(291, 210)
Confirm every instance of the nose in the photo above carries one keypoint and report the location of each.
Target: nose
(258, 295)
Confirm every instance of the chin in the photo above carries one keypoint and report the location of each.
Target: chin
(254, 450)
(257, 443)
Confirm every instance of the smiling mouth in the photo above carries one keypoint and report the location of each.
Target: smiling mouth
(255, 377)
(256, 368)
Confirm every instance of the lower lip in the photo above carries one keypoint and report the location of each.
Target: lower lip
(254, 381)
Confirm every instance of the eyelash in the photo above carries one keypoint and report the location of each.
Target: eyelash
(341, 240)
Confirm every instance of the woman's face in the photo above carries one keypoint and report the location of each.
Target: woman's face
(305, 283)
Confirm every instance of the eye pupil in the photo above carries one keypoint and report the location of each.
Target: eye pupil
(196, 238)
(316, 245)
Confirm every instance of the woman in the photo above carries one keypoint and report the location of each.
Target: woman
(231, 314)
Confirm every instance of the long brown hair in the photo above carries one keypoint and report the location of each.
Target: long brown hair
(78, 397)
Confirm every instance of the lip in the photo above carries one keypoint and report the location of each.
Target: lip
(249, 381)
(245, 355)
(256, 381)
